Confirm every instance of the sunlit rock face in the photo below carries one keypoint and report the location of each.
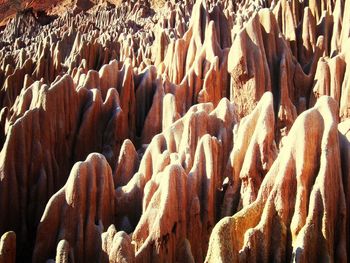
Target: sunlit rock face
(175, 131)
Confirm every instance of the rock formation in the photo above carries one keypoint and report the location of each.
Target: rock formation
(254, 151)
(300, 210)
(8, 247)
(174, 131)
(117, 246)
(78, 213)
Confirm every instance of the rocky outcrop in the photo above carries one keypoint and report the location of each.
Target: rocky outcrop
(76, 216)
(300, 203)
(128, 163)
(194, 111)
(163, 221)
(332, 79)
(117, 247)
(262, 61)
(58, 117)
(254, 151)
(181, 168)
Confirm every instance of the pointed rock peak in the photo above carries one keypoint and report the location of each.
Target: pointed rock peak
(198, 21)
(127, 164)
(211, 43)
(268, 21)
(66, 212)
(226, 111)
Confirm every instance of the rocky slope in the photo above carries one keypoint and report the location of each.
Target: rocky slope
(175, 131)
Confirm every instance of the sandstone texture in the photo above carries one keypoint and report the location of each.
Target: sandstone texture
(174, 131)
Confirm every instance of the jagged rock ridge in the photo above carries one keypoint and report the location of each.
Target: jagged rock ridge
(175, 131)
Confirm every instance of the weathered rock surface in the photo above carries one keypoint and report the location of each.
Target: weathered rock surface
(300, 210)
(137, 131)
(117, 247)
(8, 247)
(78, 213)
(178, 186)
(36, 164)
(254, 151)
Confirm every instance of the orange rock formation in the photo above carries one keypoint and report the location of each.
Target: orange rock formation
(174, 131)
